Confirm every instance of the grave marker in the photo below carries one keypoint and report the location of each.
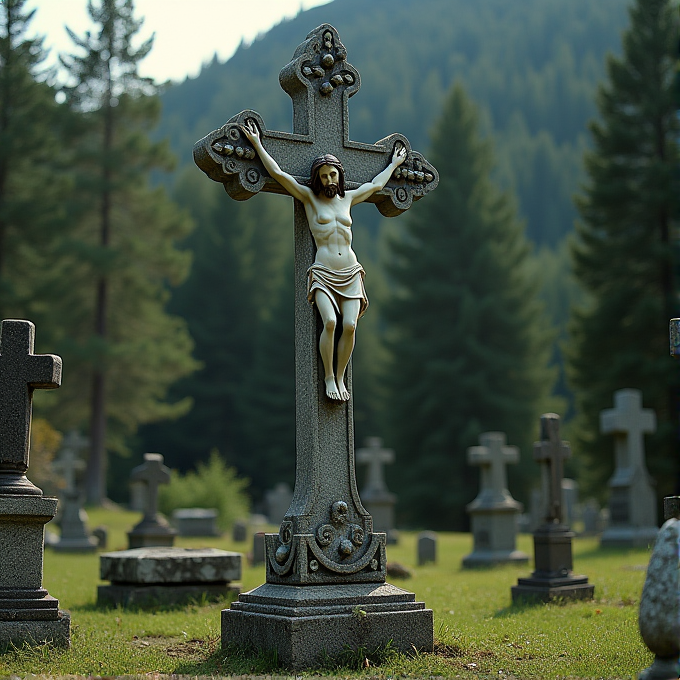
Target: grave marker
(375, 495)
(327, 538)
(494, 512)
(552, 578)
(27, 612)
(632, 499)
(154, 529)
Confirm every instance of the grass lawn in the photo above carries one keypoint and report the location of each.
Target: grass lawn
(478, 634)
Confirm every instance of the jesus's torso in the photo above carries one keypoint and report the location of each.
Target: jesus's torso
(331, 225)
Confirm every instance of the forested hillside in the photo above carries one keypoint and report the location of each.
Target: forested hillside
(533, 65)
(532, 68)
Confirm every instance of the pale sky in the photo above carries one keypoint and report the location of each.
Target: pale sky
(188, 32)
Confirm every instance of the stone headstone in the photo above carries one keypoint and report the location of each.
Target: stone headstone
(75, 536)
(375, 496)
(494, 512)
(258, 548)
(239, 531)
(137, 496)
(167, 576)
(592, 523)
(154, 529)
(553, 577)
(28, 614)
(195, 521)
(632, 495)
(278, 501)
(427, 547)
(659, 617)
(326, 538)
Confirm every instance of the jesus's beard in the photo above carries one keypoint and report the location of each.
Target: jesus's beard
(330, 190)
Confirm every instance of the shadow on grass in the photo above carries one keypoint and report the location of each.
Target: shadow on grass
(247, 660)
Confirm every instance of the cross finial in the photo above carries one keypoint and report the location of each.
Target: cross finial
(552, 452)
(69, 463)
(492, 455)
(628, 422)
(21, 372)
(152, 473)
(375, 457)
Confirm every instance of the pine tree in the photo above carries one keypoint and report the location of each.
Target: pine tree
(32, 181)
(623, 254)
(123, 343)
(470, 344)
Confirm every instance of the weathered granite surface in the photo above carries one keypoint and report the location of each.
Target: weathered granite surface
(659, 617)
(170, 565)
(56, 633)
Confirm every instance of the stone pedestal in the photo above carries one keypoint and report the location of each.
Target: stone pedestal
(305, 624)
(553, 578)
(27, 612)
(153, 576)
(494, 531)
(152, 533)
(74, 534)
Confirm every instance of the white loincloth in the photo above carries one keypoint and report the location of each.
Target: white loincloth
(338, 284)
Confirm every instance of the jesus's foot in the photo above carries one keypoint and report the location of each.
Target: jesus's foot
(332, 391)
(344, 392)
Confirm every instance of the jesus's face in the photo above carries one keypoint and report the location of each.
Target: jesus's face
(330, 178)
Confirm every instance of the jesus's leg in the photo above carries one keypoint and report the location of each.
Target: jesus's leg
(350, 315)
(327, 342)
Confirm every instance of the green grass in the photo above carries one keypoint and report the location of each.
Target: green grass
(478, 633)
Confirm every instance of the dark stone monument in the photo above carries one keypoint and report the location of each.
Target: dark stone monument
(494, 512)
(427, 547)
(73, 519)
(375, 495)
(632, 494)
(239, 531)
(27, 612)
(195, 521)
(326, 556)
(552, 578)
(154, 529)
(258, 548)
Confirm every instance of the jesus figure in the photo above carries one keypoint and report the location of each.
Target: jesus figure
(336, 279)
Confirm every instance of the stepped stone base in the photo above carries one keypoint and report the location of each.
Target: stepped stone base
(309, 624)
(36, 632)
(152, 595)
(491, 558)
(550, 589)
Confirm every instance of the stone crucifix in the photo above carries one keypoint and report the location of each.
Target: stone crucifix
(69, 463)
(551, 451)
(492, 455)
(326, 173)
(375, 456)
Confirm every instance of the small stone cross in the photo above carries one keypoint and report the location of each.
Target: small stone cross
(69, 463)
(375, 457)
(152, 473)
(552, 452)
(629, 422)
(21, 372)
(492, 456)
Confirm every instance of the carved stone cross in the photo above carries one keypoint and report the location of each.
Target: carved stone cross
(327, 535)
(375, 457)
(552, 452)
(492, 455)
(69, 463)
(21, 372)
(153, 473)
(629, 422)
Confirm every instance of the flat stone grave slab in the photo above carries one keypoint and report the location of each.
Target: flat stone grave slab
(153, 576)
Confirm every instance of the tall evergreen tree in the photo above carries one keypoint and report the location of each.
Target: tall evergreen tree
(623, 255)
(30, 161)
(125, 346)
(470, 343)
